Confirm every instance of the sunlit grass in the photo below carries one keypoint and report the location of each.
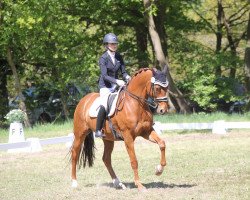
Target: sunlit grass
(201, 117)
(198, 167)
(42, 130)
(64, 128)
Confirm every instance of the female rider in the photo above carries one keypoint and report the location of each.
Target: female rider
(111, 64)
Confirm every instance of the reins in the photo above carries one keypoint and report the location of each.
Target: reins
(148, 102)
(153, 102)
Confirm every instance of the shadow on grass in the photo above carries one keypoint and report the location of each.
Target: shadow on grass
(131, 185)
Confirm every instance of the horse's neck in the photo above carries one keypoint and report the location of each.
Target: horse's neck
(139, 85)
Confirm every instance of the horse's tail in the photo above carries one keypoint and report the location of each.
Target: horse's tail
(87, 153)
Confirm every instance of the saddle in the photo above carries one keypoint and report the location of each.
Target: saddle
(112, 100)
(111, 107)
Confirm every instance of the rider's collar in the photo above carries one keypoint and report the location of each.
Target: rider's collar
(111, 53)
(157, 82)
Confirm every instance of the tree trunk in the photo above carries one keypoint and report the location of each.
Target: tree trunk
(141, 38)
(162, 60)
(231, 44)
(219, 35)
(247, 58)
(159, 23)
(12, 65)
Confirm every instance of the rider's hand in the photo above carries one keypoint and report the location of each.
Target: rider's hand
(128, 78)
(120, 83)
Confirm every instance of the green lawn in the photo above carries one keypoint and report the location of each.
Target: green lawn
(200, 166)
(62, 129)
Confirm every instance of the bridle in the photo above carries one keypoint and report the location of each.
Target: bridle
(152, 101)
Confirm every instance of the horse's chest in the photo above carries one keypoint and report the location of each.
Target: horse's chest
(143, 126)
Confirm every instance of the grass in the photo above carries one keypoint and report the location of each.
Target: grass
(200, 166)
(202, 117)
(55, 130)
(42, 131)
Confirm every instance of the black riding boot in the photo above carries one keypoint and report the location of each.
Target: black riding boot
(100, 120)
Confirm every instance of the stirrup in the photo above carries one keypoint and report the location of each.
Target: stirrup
(99, 134)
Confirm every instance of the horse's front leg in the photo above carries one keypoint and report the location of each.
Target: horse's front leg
(154, 137)
(129, 142)
(108, 149)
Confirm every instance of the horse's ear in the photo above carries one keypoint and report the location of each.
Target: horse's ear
(154, 70)
(164, 71)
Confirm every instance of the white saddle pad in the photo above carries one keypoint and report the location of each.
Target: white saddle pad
(93, 111)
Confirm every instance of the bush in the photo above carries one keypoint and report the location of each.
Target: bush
(15, 115)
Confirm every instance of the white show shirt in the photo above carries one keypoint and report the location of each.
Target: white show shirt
(112, 55)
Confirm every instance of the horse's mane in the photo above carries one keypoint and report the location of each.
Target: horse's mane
(140, 71)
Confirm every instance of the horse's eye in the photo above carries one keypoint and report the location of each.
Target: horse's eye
(158, 88)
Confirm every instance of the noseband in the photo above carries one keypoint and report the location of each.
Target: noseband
(152, 101)
(155, 101)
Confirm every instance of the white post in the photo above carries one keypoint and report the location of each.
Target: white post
(69, 144)
(35, 145)
(219, 127)
(157, 128)
(16, 134)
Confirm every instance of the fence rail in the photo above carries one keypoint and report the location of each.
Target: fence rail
(35, 144)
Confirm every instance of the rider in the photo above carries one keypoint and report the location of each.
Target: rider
(110, 63)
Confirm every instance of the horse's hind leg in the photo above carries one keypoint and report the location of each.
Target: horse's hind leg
(75, 152)
(108, 149)
(153, 137)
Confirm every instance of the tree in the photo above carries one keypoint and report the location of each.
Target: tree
(55, 51)
(161, 58)
(221, 58)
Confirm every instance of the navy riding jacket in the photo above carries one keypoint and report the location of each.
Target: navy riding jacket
(110, 71)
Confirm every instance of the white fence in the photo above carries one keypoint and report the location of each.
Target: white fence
(35, 144)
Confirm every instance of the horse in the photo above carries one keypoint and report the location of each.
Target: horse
(132, 118)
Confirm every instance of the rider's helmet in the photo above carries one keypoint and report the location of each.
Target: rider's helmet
(110, 38)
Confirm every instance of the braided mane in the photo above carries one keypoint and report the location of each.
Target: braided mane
(141, 70)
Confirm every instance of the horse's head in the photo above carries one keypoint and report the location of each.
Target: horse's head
(150, 86)
(158, 91)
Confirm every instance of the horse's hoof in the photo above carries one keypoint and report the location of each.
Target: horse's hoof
(74, 184)
(118, 185)
(122, 186)
(158, 170)
(142, 189)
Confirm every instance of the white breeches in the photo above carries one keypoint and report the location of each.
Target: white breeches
(104, 94)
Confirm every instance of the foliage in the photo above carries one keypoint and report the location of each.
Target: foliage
(15, 115)
(195, 65)
(59, 41)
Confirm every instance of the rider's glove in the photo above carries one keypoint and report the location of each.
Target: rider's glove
(128, 78)
(120, 82)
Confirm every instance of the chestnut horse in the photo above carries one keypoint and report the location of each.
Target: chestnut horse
(132, 118)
